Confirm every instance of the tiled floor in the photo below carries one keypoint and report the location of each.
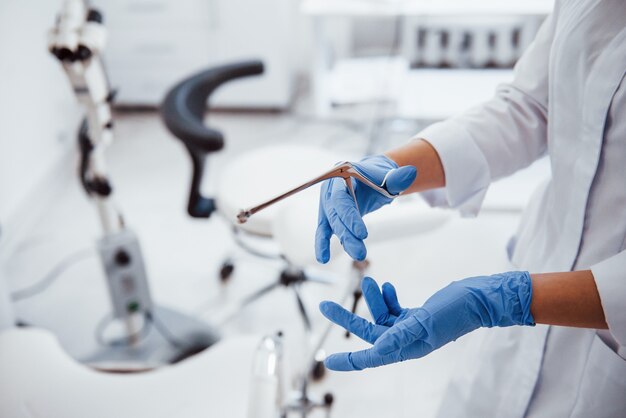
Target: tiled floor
(151, 171)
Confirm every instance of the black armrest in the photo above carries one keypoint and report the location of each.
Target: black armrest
(183, 112)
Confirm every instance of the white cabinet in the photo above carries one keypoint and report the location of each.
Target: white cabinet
(257, 29)
(155, 43)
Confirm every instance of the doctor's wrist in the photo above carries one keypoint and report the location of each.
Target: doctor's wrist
(568, 299)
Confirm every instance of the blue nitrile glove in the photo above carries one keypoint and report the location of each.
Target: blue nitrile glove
(401, 334)
(338, 213)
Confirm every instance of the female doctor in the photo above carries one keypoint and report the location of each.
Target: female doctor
(568, 99)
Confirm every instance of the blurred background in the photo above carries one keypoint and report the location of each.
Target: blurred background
(346, 77)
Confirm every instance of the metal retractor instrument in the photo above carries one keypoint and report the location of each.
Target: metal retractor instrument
(345, 170)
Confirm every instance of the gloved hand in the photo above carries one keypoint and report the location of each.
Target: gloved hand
(400, 334)
(338, 213)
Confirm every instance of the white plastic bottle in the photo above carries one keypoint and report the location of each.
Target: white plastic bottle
(265, 400)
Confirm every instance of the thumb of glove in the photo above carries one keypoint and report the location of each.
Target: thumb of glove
(399, 179)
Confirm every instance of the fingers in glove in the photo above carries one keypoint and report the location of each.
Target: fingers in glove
(399, 179)
(360, 327)
(353, 245)
(375, 302)
(391, 299)
(402, 334)
(342, 201)
(359, 360)
(322, 236)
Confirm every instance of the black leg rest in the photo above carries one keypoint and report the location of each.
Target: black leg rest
(183, 112)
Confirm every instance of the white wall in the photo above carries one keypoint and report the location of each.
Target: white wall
(38, 113)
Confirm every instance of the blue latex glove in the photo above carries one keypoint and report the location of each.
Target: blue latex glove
(400, 334)
(338, 213)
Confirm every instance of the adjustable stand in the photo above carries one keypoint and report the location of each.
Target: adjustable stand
(289, 277)
(302, 402)
(76, 41)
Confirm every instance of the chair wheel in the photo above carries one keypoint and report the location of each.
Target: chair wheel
(226, 271)
(318, 371)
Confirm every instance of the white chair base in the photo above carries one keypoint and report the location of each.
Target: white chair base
(38, 379)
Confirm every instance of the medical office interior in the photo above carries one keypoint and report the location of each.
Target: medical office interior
(132, 134)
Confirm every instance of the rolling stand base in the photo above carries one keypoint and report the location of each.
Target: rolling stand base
(170, 336)
(302, 406)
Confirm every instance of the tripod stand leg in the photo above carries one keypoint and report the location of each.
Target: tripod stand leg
(356, 295)
(302, 309)
(250, 299)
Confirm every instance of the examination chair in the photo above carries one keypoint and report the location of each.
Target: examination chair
(245, 179)
(255, 176)
(260, 174)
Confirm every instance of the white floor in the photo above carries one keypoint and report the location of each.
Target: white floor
(151, 171)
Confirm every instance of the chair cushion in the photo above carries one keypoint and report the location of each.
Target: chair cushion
(295, 226)
(262, 174)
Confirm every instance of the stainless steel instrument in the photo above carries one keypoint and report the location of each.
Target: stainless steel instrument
(345, 170)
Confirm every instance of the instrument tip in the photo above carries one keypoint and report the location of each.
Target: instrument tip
(243, 216)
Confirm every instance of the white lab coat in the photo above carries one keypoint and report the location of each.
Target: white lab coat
(568, 99)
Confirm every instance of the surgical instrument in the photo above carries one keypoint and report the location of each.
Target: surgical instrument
(345, 170)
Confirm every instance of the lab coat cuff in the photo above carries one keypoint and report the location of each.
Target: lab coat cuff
(465, 167)
(610, 278)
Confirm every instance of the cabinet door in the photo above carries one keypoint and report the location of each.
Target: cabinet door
(153, 49)
(131, 14)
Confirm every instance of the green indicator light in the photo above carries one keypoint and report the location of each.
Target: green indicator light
(132, 307)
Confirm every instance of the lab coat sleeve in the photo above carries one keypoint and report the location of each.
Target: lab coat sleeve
(610, 277)
(500, 136)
